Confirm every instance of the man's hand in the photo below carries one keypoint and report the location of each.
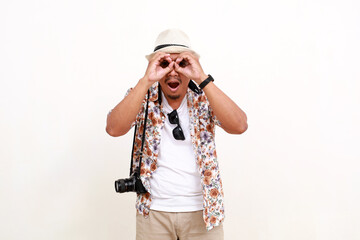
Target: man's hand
(232, 118)
(159, 65)
(188, 64)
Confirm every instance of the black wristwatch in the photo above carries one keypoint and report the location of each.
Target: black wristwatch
(206, 81)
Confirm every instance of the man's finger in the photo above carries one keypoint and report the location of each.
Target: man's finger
(164, 61)
(158, 56)
(179, 59)
(163, 71)
(188, 55)
(179, 69)
(171, 66)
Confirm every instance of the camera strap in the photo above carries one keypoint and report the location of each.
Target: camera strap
(142, 139)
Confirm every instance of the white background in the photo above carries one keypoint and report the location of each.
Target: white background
(292, 66)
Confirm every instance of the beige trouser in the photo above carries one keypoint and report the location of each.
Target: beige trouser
(173, 226)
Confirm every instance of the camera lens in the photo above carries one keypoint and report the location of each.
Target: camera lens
(125, 185)
(120, 186)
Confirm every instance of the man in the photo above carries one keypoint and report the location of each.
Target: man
(179, 167)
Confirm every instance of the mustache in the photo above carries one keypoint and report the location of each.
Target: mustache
(173, 77)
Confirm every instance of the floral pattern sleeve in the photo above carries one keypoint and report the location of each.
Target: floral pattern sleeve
(213, 117)
(141, 109)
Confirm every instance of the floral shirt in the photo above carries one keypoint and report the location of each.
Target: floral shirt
(202, 131)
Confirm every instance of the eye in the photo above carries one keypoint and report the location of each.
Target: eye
(164, 64)
(183, 63)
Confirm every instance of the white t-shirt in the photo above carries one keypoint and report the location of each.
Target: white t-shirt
(175, 185)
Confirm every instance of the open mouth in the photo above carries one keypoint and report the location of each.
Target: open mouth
(173, 85)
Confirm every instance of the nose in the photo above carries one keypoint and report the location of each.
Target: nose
(173, 72)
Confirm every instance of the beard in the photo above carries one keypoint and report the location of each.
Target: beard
(173, 97)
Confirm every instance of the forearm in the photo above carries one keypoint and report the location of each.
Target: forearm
(119, 120)
(124, 114)
(232, 118)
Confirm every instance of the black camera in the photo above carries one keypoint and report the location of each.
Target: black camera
(131, 184)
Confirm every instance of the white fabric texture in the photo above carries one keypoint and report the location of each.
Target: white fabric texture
(175, 185)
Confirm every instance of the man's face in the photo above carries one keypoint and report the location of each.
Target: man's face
(174, 85)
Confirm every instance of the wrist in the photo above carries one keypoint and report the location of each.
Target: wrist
(145, 83)
(204, 83)
(201, 78)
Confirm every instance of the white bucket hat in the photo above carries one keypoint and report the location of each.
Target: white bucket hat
(172, 41)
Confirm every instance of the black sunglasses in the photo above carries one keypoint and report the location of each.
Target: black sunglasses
(177, 132)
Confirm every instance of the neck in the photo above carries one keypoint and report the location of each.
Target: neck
(174, 103)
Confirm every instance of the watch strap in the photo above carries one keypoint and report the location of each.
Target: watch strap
(206, 81)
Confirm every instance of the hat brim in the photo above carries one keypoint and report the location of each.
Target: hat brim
(172, 49)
